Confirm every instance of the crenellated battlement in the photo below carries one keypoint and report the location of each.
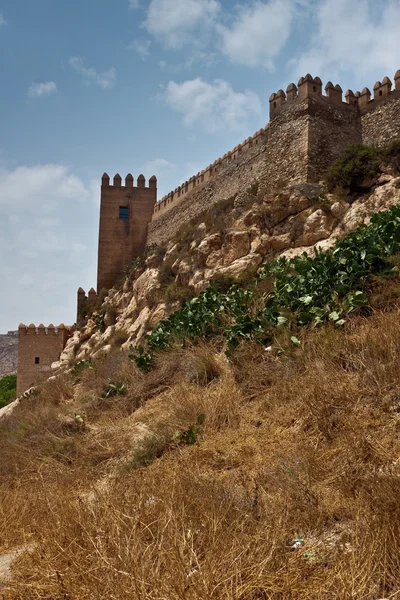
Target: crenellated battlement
(129, 182)
(213, 170)
(309, 87)
(42, 330)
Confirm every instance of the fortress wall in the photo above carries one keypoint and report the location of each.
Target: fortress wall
(286, 151)
(381, 125)
(38, 348)
(237, 176)
(331, 129)
(231, 158)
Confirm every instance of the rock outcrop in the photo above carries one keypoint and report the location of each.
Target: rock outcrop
(8, 353)
(256, 230)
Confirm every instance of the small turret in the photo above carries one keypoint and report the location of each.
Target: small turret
(153, 182)
(117, 180)
(382, 90)
(105, 180)
(141, 181)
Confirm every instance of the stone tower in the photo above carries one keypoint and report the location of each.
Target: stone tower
(125, 212)
(38, 348)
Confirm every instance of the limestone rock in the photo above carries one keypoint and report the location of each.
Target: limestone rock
(210, 243)
(279, 207)
(68, 354)
(146, 287)
(139, 327)
(316, 228)
(237, 244)
(280, 242)
(338, 209)
(246, 264)
(260, 244)
(153, 261)
(88, 330)
(184, 273)
(158, 314)
(103, 351)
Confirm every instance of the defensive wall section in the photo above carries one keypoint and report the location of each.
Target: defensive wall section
(308, 130)
(38, 348)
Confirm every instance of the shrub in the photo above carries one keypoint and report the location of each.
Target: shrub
(175, 292)
(305, 291)
(8, 389)
(358, 164)
(148, 449)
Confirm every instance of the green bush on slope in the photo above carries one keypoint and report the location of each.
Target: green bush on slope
(8, 389)
(305, 291)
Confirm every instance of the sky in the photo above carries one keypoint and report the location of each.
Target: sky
(159, 87)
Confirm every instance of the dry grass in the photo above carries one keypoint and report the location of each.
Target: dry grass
(301, 445)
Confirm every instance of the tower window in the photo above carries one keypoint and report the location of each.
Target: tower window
(123, 212)
(37, 360)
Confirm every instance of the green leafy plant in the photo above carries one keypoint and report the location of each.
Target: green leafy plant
(358, 164)
(192, 434)
(81, 366)
(306, 291)
(114, 389)
(8, 389)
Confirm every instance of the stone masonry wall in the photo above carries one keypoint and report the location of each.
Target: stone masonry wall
(239, 175)
(286, 151)
(331, 129)
(38, 348)
(382, 125)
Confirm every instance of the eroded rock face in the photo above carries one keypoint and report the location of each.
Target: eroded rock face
(236, 245)
(285, 224)
(317, 227)
(146, 287)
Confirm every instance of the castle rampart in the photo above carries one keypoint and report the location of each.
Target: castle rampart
(308, 130)
(38, 348)
(213, 170)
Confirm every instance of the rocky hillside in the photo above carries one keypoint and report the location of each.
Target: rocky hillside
(8, 353)
(219, 471)
(231, 243)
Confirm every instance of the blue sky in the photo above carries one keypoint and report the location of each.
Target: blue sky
(161, 87)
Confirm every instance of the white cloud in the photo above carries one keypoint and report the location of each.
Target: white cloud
(142, 47)
(48, 233)
(177, 22)
(214, 106)
(158, 166)
(2, 19)
(258, 33)
(105, 80)
(42, 89)
(133, 4)
(356, 37)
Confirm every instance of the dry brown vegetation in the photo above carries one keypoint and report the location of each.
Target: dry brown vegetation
(296, 443)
